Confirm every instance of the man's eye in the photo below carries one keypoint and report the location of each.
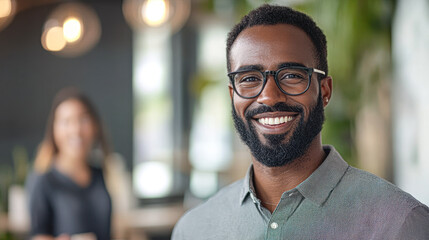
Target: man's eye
(291, 76)
(249, 79)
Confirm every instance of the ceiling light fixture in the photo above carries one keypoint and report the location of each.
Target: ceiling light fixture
(7, 12)
(141, 14)
(71, 30)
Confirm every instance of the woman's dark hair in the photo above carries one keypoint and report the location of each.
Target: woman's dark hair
(271, 15)
(48, 148)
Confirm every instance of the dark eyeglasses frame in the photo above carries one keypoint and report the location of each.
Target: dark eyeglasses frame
(310, 72)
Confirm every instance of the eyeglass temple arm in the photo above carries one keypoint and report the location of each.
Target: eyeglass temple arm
(319, 71)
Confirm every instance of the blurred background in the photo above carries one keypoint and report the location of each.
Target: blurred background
(156, 71)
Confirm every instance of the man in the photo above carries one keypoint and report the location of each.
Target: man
(296, 188)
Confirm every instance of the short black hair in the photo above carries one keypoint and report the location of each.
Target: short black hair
(271, 15)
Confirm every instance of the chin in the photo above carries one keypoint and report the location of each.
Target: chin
(73, 153)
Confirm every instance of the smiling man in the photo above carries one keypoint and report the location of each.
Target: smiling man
(296, 188)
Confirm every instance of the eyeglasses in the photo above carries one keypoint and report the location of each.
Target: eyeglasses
(292, 81)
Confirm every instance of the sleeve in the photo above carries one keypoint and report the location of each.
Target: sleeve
(41, 215)
(177, 233)
(180, 230)
(416, 224)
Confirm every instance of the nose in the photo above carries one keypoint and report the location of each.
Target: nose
(271, 94)
(75, 128)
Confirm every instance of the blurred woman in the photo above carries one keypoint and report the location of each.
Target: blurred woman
(69, 199)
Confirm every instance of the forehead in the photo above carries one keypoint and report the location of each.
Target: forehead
(70, 107)
(270, 45)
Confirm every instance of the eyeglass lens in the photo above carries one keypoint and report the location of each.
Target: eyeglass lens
(291, 80)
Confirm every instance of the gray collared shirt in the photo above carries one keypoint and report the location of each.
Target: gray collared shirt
(336, 201)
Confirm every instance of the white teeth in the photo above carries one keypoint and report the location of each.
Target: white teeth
(275, 121)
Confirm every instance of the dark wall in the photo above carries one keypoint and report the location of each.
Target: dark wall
(30, 77)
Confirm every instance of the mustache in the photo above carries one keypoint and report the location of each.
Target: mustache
(278, 107)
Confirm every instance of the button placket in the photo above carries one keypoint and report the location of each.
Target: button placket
(274, 225)
(274, 230)
(287, 205)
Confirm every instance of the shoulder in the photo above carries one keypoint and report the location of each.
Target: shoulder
(376, 192)
(226, 197)
(37, 182)
(415, 225)
(206, 214)
(39, 188)
(360, 188)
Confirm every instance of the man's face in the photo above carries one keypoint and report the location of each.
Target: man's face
(267, 47)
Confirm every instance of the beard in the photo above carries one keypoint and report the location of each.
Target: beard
(276, 153)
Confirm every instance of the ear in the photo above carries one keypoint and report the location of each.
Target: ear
(326, 88)
(231, 90)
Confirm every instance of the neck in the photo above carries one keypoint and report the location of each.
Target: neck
(74, 167)
(271, 182)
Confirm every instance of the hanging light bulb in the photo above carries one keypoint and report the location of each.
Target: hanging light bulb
(155, 12)
(142, 14)
(71, 30)
(7, 12)
(5, 8)
(54, 39)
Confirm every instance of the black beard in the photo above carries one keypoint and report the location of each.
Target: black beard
(275, 153)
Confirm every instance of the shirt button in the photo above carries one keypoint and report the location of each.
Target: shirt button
(274, 225)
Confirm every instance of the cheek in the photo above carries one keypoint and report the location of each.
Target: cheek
(59, 132)
(309, 99)
(241, 105)
(89, 132)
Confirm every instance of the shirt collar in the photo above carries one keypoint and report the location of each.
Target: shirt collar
(318, 186)
(247, 188)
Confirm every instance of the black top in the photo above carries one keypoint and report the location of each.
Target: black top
(59, 206)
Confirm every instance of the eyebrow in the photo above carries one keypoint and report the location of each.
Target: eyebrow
(290, 64)
(250, 67)
(261, 68)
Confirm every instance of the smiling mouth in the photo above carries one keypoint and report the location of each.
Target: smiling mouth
(272, 121)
